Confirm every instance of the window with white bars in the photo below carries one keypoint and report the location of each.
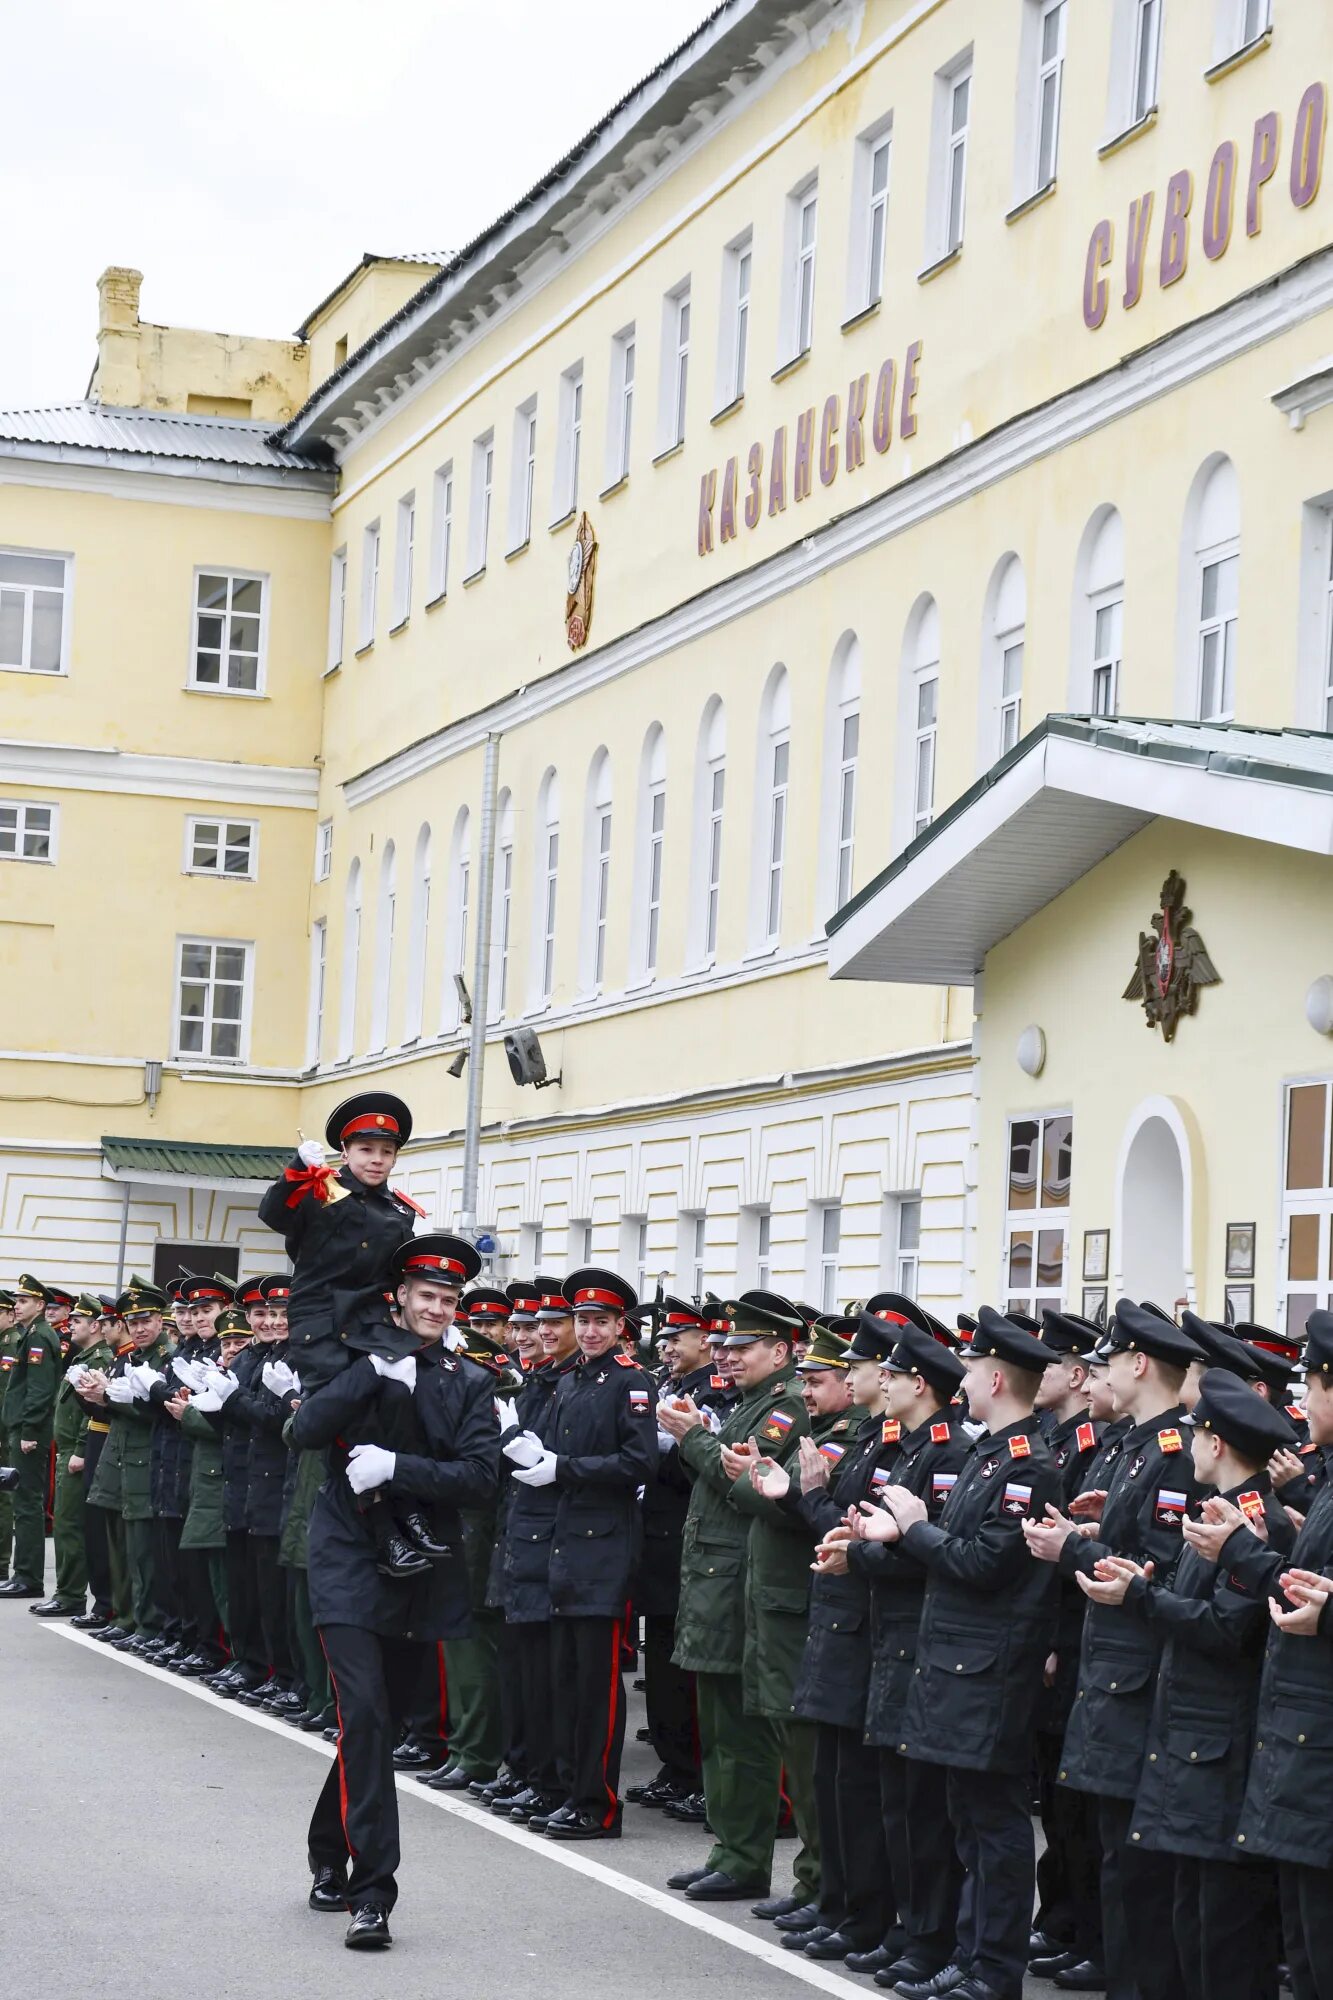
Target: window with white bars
(641, 1256)
(601, 896)
(694, 1254)
(1037, 1213)
(620, 420)
(656, 835)
(27, 831)
(483, 483)
(504, 872)
(1147, 57)
(222, 847)
(1011, 691)
(403, 558)
(319, 949)
(337, 610)
(1107, 624)
(851, 740)
(1050, 90)
(523, 475)
(370, 584)
(1219, 585)
(324, 850)
(35, 591)
(569, 444)
(905, 1268)
(830, 1243)
(927, 701)
(441, 529)
(351, 962)
(777, 835)
(717, 786)
(675, 367)
(734, 339)
(802, 244)
(763, 1268)
(213, 977)
(579, 1251)
(1328, 631)
(870, 217)
(549, 885)
(230, 625)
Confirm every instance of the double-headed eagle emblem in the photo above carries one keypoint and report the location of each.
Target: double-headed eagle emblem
(1173, 964)
(580, 571)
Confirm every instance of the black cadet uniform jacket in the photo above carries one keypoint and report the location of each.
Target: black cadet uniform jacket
(1151, 1487)
(604, 1434)
(454, 1406)
(1192, 1781)
(1075, 1445)
(335, 1246)
(1286, 1815)
(989, 1614)
(233, 1421)
(927, 1461)
(666, 1500)
(521, 1567)
(268, 1458)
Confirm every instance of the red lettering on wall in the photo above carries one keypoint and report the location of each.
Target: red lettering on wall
(1175, 227)
(881, 416)
(911, 383)
(1136, 248)
(726, 513)
(777, 472)
(754, 498)
(1219, 206)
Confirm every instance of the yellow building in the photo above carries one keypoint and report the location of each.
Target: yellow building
(875, 381)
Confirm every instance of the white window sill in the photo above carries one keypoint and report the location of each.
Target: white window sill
(1239, 57)
(789, 367)
(519, 549)
(434, 603)
(943, 263)
(474, 576)
(233, 694)
(329, 672)
(32, 860)
(361, 651)
(401, 626)
(728, 409)
(861, 315)
(555, 527)
(37, 673)
(616, 486)
(670, 451)
(217, 875)
(1119, 140)
(760, 953)
(1034, 200)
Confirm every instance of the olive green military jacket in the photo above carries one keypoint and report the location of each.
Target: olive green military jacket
(33, 1381)
(710, 1620)
(777, 1584)
(132, 1434)
(204, 1527)
(9, 1354)
(70, 1424)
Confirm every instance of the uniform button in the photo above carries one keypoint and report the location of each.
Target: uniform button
(902, 1652)
(902, 1749)
(1260, 1744)
(835, 1624)
(1194, 1756)
(366, 1246)
(959, 1668)
(710, 1569)
(1300, 1739)
(1134, 1836)
(1063, 1776)
(1114, 1686)
(1241, 1838)
(1152, 1756)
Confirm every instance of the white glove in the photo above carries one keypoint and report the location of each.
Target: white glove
(369, 1465)
(525, 1449)
(540, 1474)
(220, 1383)
(453, 1338)
(143, 1375)
(207, 1399)
(77, 1375)
(404, 1371)
(120, 1390)
(278, 1377)
(296, 1383)
(665, 1441)
(310, 1153)
(507, 1414)
(192, 1373)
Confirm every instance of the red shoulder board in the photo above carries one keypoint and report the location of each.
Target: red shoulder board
(717, 1381)
(940, 1434)
(1303, 1449)
(1296, 1413)
(1085, 1437)
(1020, 1446)
(1169, 1441)
(890, 1431)
(408, 1202)
(626, 1361)
(1251, 1504)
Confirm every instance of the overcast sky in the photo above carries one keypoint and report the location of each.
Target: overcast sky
(243, 155)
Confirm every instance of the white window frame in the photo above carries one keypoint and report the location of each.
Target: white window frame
(523, 476)
(763, 1253)
(1146, 62)
(214, 944)
(925, 743)
(827, 1256)
(386, 924)
(715, 806)
(404, 559)
(233, 576)
(549, 880)
(482, 498)
(692, 1259)
(26, 591)
(844, 829)
(620, 406)
(353, 900)
(734, 320)
(1222, 626)
(1240, 24)
(224, 824)
(950, 147)
(1107, 661)
(1010, 647)
(655, 833)
(370, 586)
(673, 393)
(324, 850)
(24, 810)
(504, 877)
(569, 446)
(319, 966)
(1036, 1221)
(601, 896)
(1040, 90)
(776, 820)
(441, 529)
(800, 271)
(903, 1264)
(337, 609)
(1312, 1202)
(868, 253)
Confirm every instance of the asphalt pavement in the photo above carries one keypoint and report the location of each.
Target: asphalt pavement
(155, 1841)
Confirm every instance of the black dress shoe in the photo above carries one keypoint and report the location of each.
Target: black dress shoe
(908, 1970)
(774, 1907)
(413, 1756)
(255, 1697)
(803, 1918)
(453, 1778)
(418, 1532)
(285, 1704)
(505, 1790)
(195, 1667)
(1042, 1945)
(870, 1962)
(685, 1876)
(973, 1987)
(583, 1826)
(835, 1945)
(308, 1723)
(719, 1887)
(331, 1735)
(52, 1607)
(90, 1621)
(661, 1793)
(399, 1558)
(110, 1633)
(798, 1940)
(328, 1891)
(538, 1822)
(693, 1810)
(1083, 1975)
(16, 1588)
(946, 1980)
(524, 1804)
(1046, 1964)
(368, 1930)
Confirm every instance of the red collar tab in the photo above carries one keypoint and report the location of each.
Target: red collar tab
(1169, 1441)
(718, 1382)
(626, 1361)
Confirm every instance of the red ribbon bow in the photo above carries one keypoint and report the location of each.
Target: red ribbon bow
(309, 1181)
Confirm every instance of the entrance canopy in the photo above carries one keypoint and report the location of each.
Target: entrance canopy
(1071, 792)
(179, 1162)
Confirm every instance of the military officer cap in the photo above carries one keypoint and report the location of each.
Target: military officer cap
(276, 1287)
(918, 1353)
(174, 1287)
(680, 1316)
(86, 1306)
(829, 1349)
(1233, 1412)
(967, 1326)
(33, 1288)
(444, 1259)
(374, 1114)
(249, 1293)
(480, 1347)
(140, 1299)
(1276, 1356)
(761, 1315)
(716, 1323)
(1026, 1322)
(1158, 1312)
(1220, 1347)
(594, 1290)
(1319, 1344)
(232, 1324)
(205, 1291)
(899, 1310)
(1001, 1339)
(488, 1307)
(6, 1301)
(524, 1296)
(554, 1304)
(1066, 1334)
(58, 1296)
(1142, 1330)
(873, 1340)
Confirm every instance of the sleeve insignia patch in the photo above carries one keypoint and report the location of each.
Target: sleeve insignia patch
(1170, 1509)
(1251, 1505)
(1017, 1499)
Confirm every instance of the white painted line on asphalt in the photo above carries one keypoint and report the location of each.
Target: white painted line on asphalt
(665, 1904)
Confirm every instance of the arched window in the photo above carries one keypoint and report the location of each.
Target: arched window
(351, 962)
(772, 772)
(385, 919)
(842, 744)
(502, 904)
(545, 885)
(710, 786)
(456, 914)
(418, 940)
(1210, 591)
(1096, 639)
(1004, 636)
(649, 839)
(918, 721)
(596, 875)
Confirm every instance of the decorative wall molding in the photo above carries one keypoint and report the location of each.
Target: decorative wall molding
(189, 483)
(74, 767)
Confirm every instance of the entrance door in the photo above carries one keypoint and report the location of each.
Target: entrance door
(1152, 1252)
(173, 1260)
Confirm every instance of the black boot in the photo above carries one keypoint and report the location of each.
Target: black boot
(396, 1557)
(417, 1531)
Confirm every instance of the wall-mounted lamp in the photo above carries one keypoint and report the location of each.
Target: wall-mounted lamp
(1031, 1051)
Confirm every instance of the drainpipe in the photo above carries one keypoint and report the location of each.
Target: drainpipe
(124, 1238)
(481, 982)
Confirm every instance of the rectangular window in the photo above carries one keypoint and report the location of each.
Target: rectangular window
(403, 557)
(851, 739)
(1305, 1262)
(552, 876)
(907, 1251)
(1050, 90)
(1219, 584)
(870, 217)
(505, 873)
(230, 619)
(324, 850)
(441, 530)
(656, 834)
(580, 1245)
(1011, 694)
(1037, 1213)
(717, 785)
(569, 445)
(696, 1244)
(763, 1266)
(222, 847)
(1147, 52)
(370, 584)
(777, 838)
(1328, 637)
(955, 180)
(620, 424)
(675, 366)
(337, 610)
(735, 321)
(213, 999)
(878, 220)
(34, 596)
(319, 943)
(1256, 16)
(523, 475)
(603, 895)
(923, 764)
(464, 875)
(802, 243)
(830, 1240)
(483, 483)
(1106, 626)
(27, 831)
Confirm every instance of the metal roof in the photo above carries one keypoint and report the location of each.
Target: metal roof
(128, 1157)
(1066, 796)
(68, 429)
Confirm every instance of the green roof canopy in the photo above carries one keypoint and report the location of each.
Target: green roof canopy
(128, 1157)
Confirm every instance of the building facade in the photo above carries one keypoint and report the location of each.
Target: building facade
(876, 380)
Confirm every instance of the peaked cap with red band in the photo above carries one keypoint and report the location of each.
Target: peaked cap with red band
(276, 1288)
(554, 1304)
(447, 1260)
(899, 1310)
(486, 1306)
(214, 1291)
(595, 1290)
(375, 1114)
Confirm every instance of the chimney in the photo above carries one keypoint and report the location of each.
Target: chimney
(117, 378)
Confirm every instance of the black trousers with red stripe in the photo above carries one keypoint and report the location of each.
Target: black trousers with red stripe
(590, 1711)
(376, 1682)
